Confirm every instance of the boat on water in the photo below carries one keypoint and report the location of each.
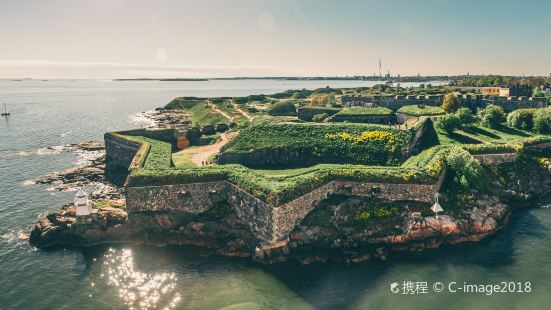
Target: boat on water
(5, 113)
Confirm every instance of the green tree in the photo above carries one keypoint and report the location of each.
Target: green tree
(542, 120)
(451, 103)
(297, 95)
(521, 119)
(448, 123)
(491, 116)
(467, 171)
(465, 116)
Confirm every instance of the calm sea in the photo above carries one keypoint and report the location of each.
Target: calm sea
(53, 113)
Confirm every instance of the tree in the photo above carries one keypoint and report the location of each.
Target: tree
(448, 123)
(319, 100)
(465, 116)
(542, 120)
(521, 119)
(491, 116)
(537, 93)
(451, 103)
(297, 95)
(468, 172)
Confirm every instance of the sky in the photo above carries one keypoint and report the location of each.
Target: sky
(216, 38)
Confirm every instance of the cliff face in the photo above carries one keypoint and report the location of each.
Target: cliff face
(342, 228)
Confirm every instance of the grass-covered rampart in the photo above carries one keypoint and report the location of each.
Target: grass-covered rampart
(326, 143)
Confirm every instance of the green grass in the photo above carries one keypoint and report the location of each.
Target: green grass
(415, 110)
(365, 111)
(226, 106)
(478, 134)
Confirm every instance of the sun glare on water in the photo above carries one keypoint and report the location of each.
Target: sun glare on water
(139, 290)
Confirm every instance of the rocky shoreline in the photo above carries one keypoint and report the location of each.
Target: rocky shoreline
(481, 215)
(90, 174)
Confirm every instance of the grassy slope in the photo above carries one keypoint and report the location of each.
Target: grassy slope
(201, 113)
(478, 134)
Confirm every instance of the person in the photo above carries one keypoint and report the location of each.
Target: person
(202, 163)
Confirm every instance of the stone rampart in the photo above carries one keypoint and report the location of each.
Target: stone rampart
(267, 157)
(496, 159)
(394, 103)
(119, 152)
(269, 223)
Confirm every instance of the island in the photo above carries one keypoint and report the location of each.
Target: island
(343, 175)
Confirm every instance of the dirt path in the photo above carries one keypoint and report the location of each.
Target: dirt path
(247, 115)
(215, 108)
(200, 154)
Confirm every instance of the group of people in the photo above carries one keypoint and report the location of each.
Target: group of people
(206, 163)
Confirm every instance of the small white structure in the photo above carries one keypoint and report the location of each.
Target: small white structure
(82, 204)
(436, 207)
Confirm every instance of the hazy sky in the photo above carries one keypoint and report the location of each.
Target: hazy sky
(207, 38)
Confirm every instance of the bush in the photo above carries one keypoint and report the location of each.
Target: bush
(491, 116)
(320, 117)
(468, 172)
(319, 100)
(448, 123)
(451, 103)
(465, 116)
(297, 95)
(285, 108)
(521, 119)
(542, 120)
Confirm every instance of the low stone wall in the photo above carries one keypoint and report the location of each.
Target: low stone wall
(306, 113)
(391, 103)
(496, 159)
(269, 157)
(163, 134)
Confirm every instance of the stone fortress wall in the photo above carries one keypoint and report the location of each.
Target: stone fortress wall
(270, 223)
(395, 102)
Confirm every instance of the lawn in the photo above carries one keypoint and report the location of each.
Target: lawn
(477, 134)
(416, 110)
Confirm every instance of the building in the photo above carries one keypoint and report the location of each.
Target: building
(513, 90)
(490, 91)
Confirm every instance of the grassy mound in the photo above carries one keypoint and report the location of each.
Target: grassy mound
(364, 111)
(415, 110)
(343, 143)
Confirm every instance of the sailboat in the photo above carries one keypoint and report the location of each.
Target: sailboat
(6, 113)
